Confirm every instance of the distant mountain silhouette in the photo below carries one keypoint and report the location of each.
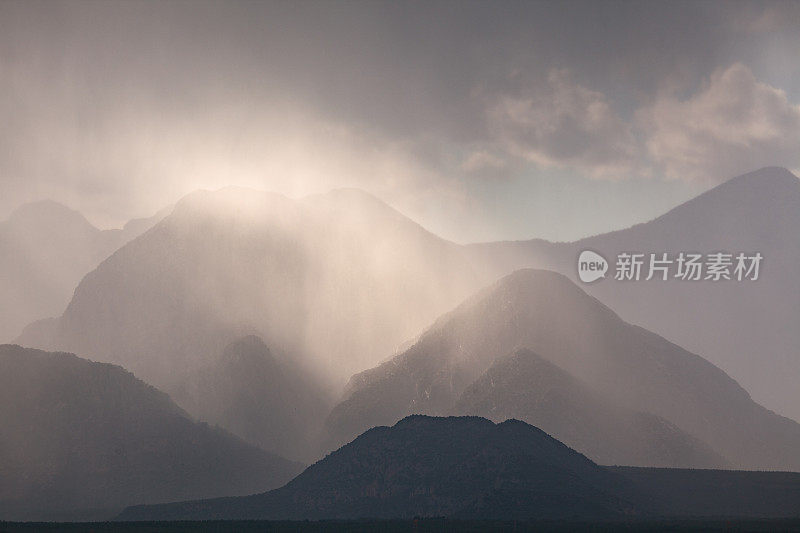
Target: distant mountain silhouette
(340, 282)
(470, 468)
(548, 314)
(422, 466)
(749, 329)
(527, 387)
(268, 402)
(81, 440)
(336, 280)
(45, 250)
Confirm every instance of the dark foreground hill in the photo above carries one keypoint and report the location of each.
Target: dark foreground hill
(457, 467)
(469, 468)
(80, 439)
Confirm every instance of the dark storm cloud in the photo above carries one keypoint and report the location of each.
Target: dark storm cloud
(131, 104)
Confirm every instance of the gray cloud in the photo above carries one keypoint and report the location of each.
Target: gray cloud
(118, 108)
(561, 123)
(733, 123)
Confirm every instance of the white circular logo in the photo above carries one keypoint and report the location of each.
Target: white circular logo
(591, 266)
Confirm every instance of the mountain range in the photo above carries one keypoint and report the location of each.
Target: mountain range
(342, 282)
(339, 282)
(45, 250)
(331, 279)
(470, 468)
(456, 364)
(81, 440)
(747, 328)
(527, 387)
(251, 310)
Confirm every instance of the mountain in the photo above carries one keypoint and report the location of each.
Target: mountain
(422, 466)
(470, 468)
(337, 280)
(747, 328)
(81, 440)
(266, 401)
(45, 249)
(527, 387)
(548, 314)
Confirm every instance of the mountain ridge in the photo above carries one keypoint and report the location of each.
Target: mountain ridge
(530, 388)
(747, 326)
(309, 275)
(424, 466)
(45, 250)
(471, 468)
(547, 313)
(81, 439)
(265, 400)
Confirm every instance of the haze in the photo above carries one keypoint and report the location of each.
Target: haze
(317, 260)
(551, 120)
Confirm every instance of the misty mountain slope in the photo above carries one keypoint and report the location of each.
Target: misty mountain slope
(749, 329)
(263, 400)
(45, 250)
(548, 314)
(80, 439)
(527, 387)
(423, 466)
(339, 280)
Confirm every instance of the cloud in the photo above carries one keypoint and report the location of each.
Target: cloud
(766, 17)
(483, 162)
(734, 123)
(563, 124)
(120, 108)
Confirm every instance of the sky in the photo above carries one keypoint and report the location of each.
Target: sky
(480, 120)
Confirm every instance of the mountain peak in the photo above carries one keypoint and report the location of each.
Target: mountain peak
(357, 204)
(248, 342)
(768, 173)
(759, 189)
(476, 425)
(44, 213)
(250, 348)
(233, 200)
(763, 179)
(543, 289)
(535, 276)
(418, 421)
